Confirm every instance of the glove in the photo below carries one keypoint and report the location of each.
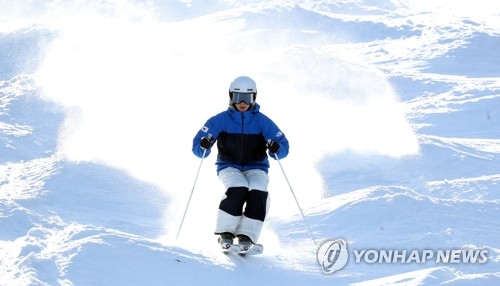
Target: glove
(205, 143)
(273, 146)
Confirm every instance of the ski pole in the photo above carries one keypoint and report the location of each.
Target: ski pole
(297, 201)
(192, 191)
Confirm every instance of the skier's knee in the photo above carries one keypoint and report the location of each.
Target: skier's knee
(256, 205)
(234, 201)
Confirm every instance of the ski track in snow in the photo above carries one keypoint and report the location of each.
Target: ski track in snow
(91, 222)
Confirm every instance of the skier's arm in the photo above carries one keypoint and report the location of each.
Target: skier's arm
(273, 133)
(283, 146)
(207, 131)
(197, 149)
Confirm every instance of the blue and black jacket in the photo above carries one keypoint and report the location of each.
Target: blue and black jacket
(241, 139)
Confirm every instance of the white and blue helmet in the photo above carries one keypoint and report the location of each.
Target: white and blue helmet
(241, 89)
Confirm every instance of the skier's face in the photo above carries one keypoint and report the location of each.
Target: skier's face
(242, 106)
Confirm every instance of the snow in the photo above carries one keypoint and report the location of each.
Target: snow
(392, 110)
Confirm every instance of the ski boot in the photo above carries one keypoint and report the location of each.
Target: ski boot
(244, 242)
(225, 240)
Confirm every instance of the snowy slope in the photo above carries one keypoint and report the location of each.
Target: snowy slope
(392, 109)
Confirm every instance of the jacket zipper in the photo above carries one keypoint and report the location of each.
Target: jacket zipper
(242, 140)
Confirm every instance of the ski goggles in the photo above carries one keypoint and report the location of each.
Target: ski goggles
(238, 97)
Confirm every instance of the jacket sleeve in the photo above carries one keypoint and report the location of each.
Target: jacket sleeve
(272, 132)
(209, 130)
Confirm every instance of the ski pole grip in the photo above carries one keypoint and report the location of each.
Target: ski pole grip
(269, 143)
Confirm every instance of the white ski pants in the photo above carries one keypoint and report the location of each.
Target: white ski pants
(245, 203)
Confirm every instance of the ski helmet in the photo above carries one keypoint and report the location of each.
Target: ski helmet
(243, 88)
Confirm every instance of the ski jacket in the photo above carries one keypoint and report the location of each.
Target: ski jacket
(241, 139)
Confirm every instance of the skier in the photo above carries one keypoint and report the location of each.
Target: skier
(244, 137)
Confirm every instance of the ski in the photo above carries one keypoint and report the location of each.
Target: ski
(256, 249)
(233, 248)
(237, 249)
